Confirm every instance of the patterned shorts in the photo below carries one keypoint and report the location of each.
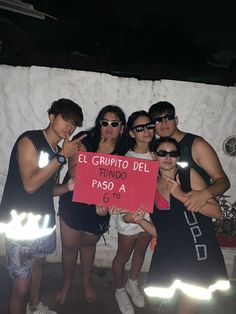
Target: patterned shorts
(22, 254)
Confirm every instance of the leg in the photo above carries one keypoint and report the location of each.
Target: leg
(36, 279)
(139, 254)
(137, 262)
(87, 256)
(187, 305)
(19, 292)
(19, 264)
(71, 240)
(126, 245)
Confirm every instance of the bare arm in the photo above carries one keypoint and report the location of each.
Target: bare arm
(138, 218)
(72, 161)
(148, 227)
(106, 146)
(32, 176)
(205, 156)
(60, 189)
(210, 209)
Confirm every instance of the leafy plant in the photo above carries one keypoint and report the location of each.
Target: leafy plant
(227, 223)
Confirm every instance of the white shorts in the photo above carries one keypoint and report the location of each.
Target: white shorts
(129, 228)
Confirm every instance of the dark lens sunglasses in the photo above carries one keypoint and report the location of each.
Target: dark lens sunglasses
(114, 124)
(166, 117)
(164, 153)
(141, 127)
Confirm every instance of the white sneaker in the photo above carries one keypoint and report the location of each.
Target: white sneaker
(39, 309)
(135, 293)
(123, 301)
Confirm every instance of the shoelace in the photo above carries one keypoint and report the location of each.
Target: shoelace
(135, 289)
(124, 298)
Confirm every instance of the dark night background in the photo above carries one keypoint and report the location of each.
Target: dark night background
(147, 39)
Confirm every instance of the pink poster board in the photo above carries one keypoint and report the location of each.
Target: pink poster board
(125, 182)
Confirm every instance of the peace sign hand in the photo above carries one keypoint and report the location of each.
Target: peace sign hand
(69, 148)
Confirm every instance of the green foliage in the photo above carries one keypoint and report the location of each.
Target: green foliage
(227, 223)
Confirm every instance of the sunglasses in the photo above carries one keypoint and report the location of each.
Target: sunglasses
(164, 153)
(114, 123)
(166, 117)
(141, 127)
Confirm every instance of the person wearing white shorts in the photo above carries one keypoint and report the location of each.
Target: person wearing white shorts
(132, 239)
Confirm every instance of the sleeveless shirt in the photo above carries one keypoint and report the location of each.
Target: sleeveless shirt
(186, 155)
(14, 194)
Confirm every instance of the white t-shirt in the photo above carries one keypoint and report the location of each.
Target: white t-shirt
(130, 228)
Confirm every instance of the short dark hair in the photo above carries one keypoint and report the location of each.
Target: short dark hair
(68, 109)
(160, 108)
(162, 140)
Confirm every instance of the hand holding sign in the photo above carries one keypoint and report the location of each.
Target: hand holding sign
(135, 217)
(102, 210)
(114, 210)
(117, 181)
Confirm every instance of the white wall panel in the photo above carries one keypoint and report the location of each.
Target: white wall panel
(27, 93)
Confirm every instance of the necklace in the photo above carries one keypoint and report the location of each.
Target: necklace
(54, 150)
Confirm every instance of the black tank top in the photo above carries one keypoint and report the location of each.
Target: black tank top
(14, 194)
(186, 155)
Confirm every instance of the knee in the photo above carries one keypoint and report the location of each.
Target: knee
(90, 240)
(20, 291)
(119, 261)
(70, 249)
(140, 252)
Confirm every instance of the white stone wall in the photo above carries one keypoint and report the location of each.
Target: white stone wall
(27, 93)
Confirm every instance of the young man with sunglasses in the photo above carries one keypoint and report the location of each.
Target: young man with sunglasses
(27, 209)
(195, 151)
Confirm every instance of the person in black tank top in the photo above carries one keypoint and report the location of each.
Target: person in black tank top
(195, 153)
(31, 182)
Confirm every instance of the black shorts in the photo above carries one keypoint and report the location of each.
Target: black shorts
(80, 216)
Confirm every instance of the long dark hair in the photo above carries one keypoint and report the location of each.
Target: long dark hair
(94, 134)
(130, 123)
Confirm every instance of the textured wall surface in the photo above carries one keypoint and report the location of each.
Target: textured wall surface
(27, 93)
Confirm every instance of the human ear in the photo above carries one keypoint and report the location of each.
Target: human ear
(51, 117)
(131, 134)
(176, 120)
